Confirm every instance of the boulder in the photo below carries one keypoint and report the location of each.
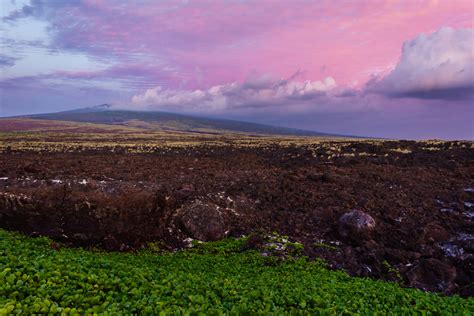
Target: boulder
(356, 225)
(203, 221)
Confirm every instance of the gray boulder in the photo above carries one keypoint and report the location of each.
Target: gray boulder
(203, 221)
(356, 225)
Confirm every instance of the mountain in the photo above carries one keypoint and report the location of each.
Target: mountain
(96, 108)
(164, 121)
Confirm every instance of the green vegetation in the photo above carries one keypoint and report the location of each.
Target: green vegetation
(325, 246)
(215, 278)
(393, 271)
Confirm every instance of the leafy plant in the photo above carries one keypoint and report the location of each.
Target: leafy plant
(213, 278)
(325, 246)
(391, 271)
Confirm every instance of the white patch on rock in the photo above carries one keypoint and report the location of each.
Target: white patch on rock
(447, 210)
(189, 242)
(452, 250)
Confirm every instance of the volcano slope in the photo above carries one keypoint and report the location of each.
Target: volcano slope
(123, 191)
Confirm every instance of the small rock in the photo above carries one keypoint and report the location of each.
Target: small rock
(433, 233)
(313, 177)
(80, 237)
(432, 275)
(111, 243)
(327, 177)
(356, 225)
(467, 291)
(255, 241)
(30, 169)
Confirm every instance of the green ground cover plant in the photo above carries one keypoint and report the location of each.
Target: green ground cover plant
(37, 276)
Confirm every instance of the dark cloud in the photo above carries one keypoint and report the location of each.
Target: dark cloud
(456, 93)
(7, 61)
(35, 8)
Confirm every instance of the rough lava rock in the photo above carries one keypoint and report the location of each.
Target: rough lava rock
(433, 233)
(356, 225)
(203, 221)
(432, 275)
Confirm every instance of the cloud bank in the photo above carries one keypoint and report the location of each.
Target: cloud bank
(253, 93)
(439, 65)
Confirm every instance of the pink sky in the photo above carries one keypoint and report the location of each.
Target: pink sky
(211, 42)
(174, 50)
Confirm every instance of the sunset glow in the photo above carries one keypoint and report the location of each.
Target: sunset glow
(378, 68)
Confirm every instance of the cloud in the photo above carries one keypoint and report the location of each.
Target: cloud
(7, 61)
(32, 9)
(439, 65)
(211, 42)
(253, 93)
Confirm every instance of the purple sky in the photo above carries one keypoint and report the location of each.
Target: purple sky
(402, 69)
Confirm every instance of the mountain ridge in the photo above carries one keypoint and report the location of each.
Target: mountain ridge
(159, 120)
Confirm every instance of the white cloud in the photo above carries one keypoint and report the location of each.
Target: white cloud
(437, 65)
(259, 92)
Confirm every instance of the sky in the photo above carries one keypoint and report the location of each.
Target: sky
(382, 68)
